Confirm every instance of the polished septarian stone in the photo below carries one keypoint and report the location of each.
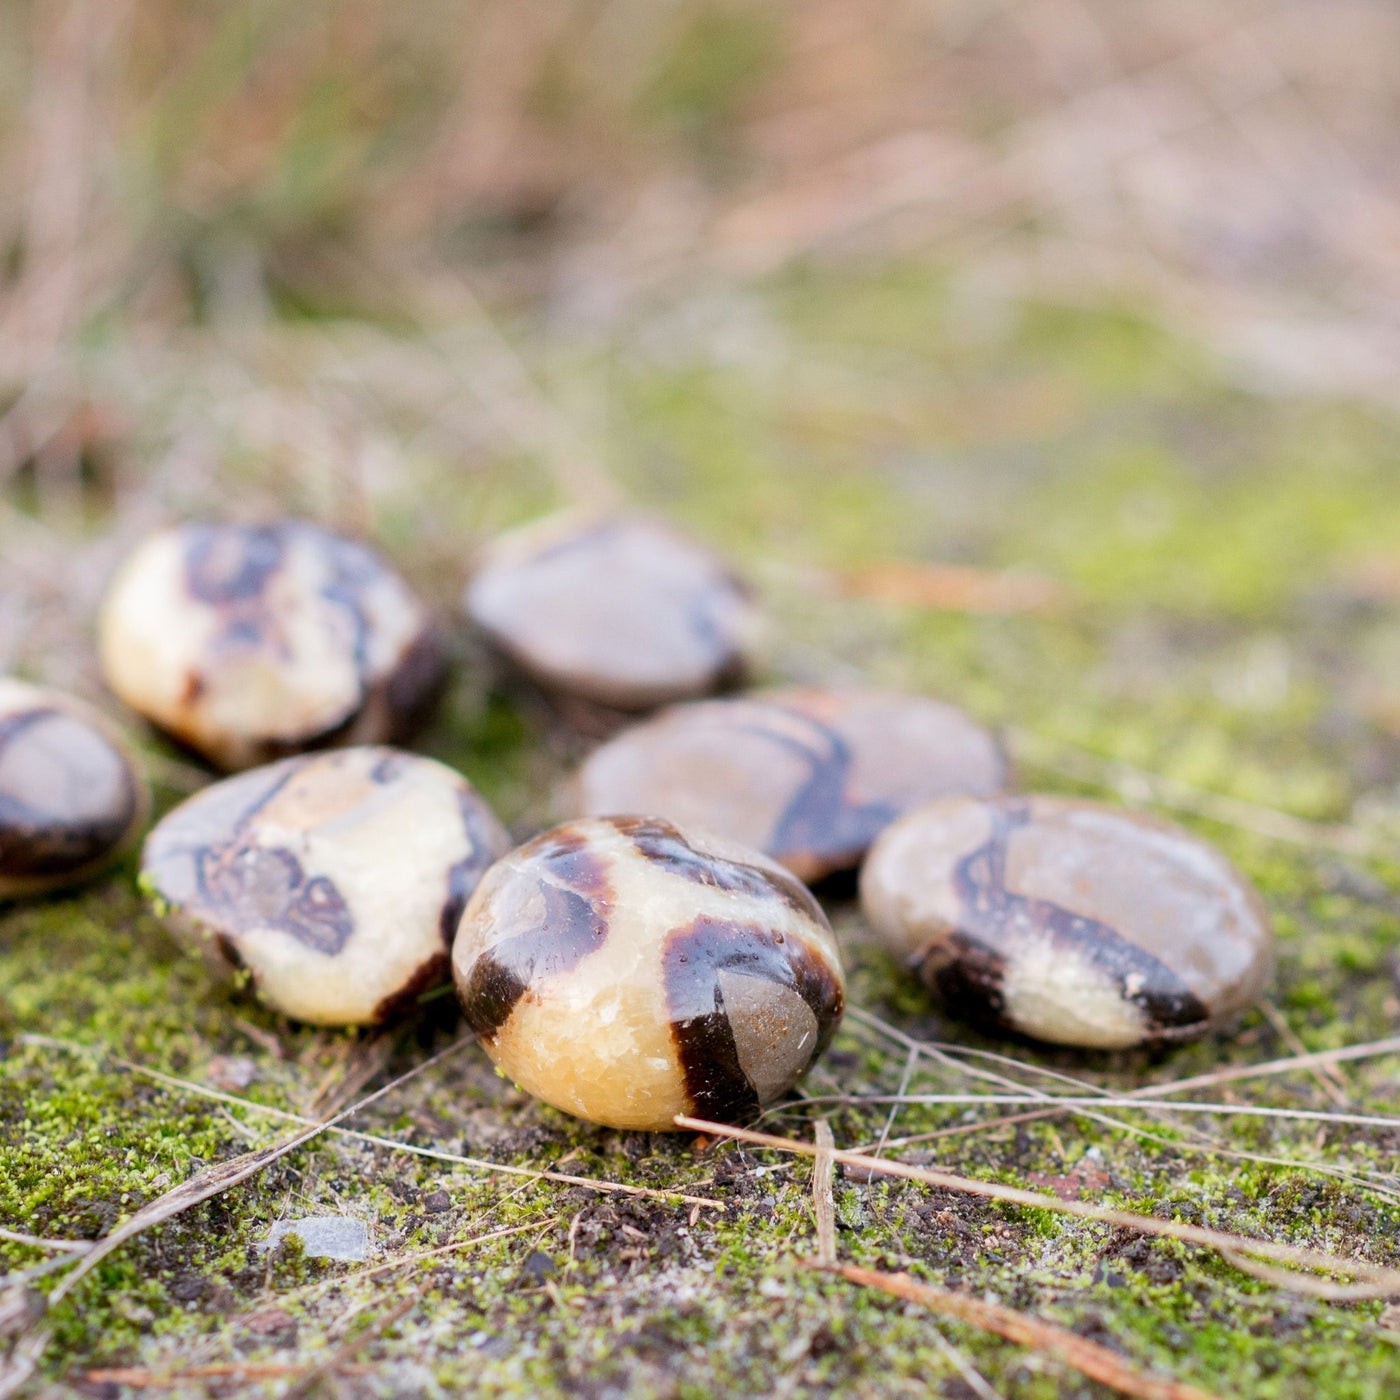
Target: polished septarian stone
(618, 610)
(1069, 921)
(71, 796)
(251, 642)
(333, 882)
(810, 777)
(627, 971)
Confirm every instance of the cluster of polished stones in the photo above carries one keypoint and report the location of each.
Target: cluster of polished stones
(657, 953)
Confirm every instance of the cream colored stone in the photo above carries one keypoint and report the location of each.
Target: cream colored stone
(1070, 921)
(249, 641)
(334, 879)
(610, 972)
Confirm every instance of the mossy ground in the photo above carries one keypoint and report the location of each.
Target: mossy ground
(1219, 626)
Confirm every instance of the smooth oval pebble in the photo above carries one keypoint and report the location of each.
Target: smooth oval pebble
(249, 642)
(626, 971)
(621, 611)
(809, 777)
(335, 880)
(1068, 921)
(71, 796)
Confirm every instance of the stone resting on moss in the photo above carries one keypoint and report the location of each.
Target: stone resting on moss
(251, 642)
(626, 971)
(619, 610)
(332, 882)
(72, 797)
(1069, 921)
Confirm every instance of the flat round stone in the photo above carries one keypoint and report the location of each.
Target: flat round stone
(71, 795)
(809, 777)
(248, 642)
(1069, 921)
(334, 881)
(626, 971)
(619, 610)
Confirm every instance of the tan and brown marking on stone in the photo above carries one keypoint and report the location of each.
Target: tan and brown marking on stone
(333, 880)
(248, 642)
(71, 796)
(625, 970)
(808, 776)
(619, 610)
(1069, 921)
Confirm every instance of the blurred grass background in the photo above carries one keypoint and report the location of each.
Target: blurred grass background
(1044, 357)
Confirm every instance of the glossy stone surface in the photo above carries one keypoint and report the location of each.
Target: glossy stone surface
(1069, 921)
(334, 880)
(809, 777)
(621, 611)
(71, 796)
(626, 971)
(249, 642)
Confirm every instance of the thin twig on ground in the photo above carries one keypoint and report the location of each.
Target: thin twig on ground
(823, 1201)
(1089, 1358)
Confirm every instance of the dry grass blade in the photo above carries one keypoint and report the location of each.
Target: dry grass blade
(1089, 1358)
(1297, 1283)
(1077, 1102)
(823, 1201)
(1379, 1282)
(143, 1378)
(39, 1242)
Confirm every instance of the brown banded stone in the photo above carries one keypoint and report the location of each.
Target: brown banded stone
(1069, 921)
(622, 611)
(810, 777)
(333, 880)
(71, 796)
(249, 642)
(626, 971)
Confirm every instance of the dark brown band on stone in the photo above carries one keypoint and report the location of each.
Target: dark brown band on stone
(662, 844)
(427, 977)
(994, 921)
(250, 885)
(821, 819)
(466, 874)
(692, 958)
(578, 902)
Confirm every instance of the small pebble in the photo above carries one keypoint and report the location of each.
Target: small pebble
(626, 971)
(1069, 921)
(334, 880)
(250, 642)
(621, 611)
(809, 777)
(324, 1237)
(71, 797)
